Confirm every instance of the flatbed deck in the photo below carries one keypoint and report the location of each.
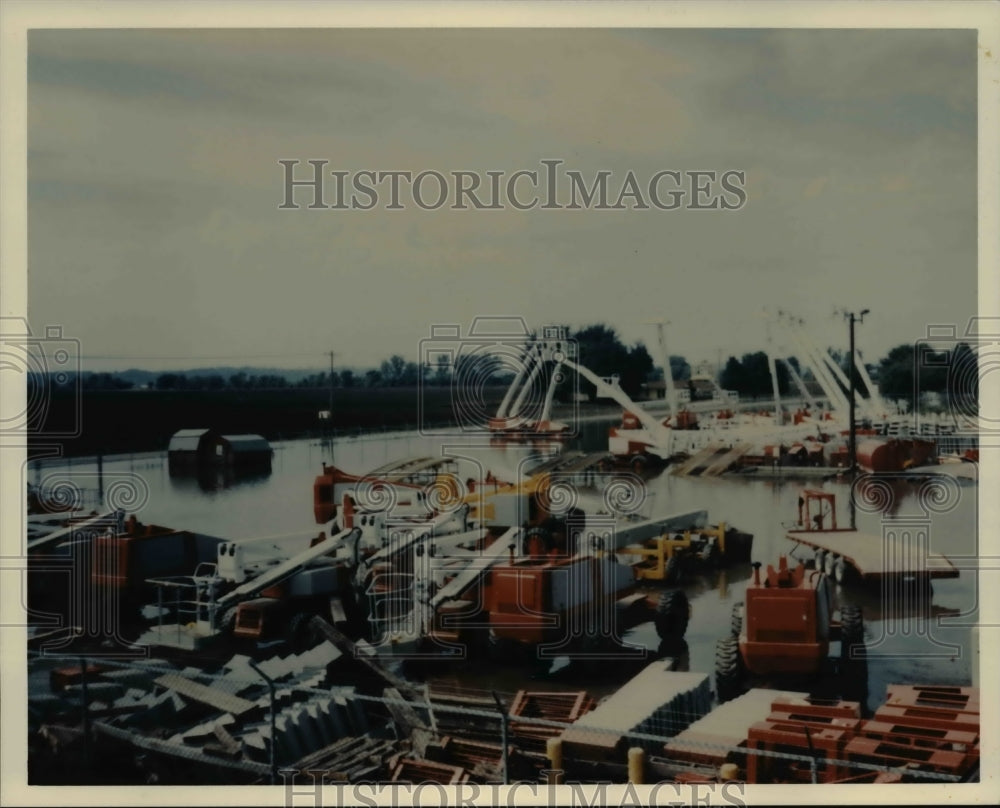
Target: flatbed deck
(875, 557)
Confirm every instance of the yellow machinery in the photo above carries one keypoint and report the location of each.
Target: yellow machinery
(661, 555)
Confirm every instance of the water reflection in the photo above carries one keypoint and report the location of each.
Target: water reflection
(214, 478)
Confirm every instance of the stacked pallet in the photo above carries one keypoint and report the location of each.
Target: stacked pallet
(349, 760)
(456, 723)
(923, 727)
(483, 761)
(920, 728)
(564, 707)
(711, 739)
(804, 727)
(658, 701)
(414, 772)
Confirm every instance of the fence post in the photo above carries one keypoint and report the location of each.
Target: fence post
(636, 765)
(503, 735)
(554, 752)
(272, 747)
(86, 711)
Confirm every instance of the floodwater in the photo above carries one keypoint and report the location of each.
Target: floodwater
(919, 645)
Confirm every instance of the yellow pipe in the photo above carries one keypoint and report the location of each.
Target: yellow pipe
(554, 752)
(636, 765)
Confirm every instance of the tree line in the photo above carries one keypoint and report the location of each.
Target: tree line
(905, 371)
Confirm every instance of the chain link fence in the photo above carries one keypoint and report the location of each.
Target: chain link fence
(101, 720)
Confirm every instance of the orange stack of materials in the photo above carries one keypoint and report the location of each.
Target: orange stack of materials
(565, 707)
(927, 728)
(804, 727)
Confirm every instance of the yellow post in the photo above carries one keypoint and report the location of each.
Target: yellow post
(636, 765)
(728, 771)
(553, 751)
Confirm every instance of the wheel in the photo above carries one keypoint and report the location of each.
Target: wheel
(227, 622)
(852, 630)
(671, 571)
(638, 462)
(728, 669)
(736, 619)
(829, 562)
(301, 634)
(672, 614)
(540, 537)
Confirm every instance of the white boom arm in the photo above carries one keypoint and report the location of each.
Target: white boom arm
(495, 553)
(288, 568)
(663, 435)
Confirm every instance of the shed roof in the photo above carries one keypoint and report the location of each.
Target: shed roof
(187, 440)
(247, 443)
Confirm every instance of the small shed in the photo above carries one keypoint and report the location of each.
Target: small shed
(190, 448)
(243, 452)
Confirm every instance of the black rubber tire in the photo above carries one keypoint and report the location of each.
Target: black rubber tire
(819, 560)
(227, 622)
(736, 619)
(301, 634)
(672, 614)
(852, 630)
(729, 677)
(671, 570)
(638, 463)
(842, 571)
(540, 532)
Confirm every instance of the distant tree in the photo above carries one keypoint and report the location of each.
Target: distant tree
(104, 381)
(679, 368)
(896, 377)
(171, 381)
(475, 369)
(393, 370)
(347, 378)
(638, 364)
(373, 378)
(602, 352)
(442, 373)
(962, 382)
(733, 376)
(410, 374)
(238, 381)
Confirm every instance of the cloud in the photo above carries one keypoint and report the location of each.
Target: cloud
(154, 182)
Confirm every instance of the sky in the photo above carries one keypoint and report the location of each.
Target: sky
(155, 235)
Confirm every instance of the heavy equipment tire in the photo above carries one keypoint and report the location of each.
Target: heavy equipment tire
(672, 614)
(841, 571)
(736, 618)
(728, 669)
(228, 621)
(671, 570)
(300, 634)
(638, 462)
(542, 534)
(820, 560)
(852, 630)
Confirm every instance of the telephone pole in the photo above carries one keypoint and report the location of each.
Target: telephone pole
(852, 459)
(330, 413)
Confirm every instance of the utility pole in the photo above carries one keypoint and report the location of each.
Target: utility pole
(330, 416)
(852, 459)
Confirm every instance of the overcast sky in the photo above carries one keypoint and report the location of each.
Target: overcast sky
(154, 186)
